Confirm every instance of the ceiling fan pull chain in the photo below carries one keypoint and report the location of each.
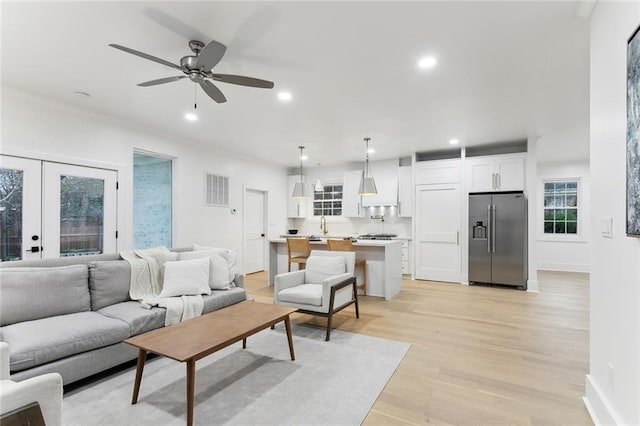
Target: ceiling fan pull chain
(195, 96)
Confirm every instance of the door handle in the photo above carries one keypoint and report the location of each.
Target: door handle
(493, 229)
(497, 180)
(34, 249)
(490, 229)
(457, 238)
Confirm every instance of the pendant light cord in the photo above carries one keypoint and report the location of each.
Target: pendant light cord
(366, 161)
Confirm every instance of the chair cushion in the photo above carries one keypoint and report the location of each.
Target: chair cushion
(305, 294)
(41, 341)
(30, 293)
(319, 268)
(140, 320)
(109, 282)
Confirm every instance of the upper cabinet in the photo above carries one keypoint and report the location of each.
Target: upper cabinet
(495, 173)
(405, 191)
(385, 174)
(351, 201)
(296, 207)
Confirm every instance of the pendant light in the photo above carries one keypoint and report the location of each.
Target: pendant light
(367, 184)
(318, 187)
(300, 189)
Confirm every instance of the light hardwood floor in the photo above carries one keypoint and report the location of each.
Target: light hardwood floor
(480, 355)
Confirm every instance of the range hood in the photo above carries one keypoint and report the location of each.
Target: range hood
(385, 174)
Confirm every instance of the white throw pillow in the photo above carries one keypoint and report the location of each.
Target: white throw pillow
(319, 268)
(230, 254)
(218, 268)
(186, 277)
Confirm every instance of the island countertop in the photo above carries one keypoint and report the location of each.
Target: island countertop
(383, 263)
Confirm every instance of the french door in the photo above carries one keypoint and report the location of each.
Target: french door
(52, 209)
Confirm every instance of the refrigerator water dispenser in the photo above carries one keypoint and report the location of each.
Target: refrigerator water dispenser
(479, 231)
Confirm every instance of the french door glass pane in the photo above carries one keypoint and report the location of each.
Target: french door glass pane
(81, 215)
(11, 182)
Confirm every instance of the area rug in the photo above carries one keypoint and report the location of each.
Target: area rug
(329, 383)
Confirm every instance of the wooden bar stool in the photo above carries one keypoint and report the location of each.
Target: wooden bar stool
(298, 250)
(347, 245)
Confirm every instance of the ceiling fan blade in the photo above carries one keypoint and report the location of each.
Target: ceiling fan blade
(242, 80)
(146, 56)
(213, 92)
(161, 81)
(211, 55)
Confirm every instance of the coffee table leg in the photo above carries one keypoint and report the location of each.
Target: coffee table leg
(287, 324)
(142, 356)
(244, 343)
(191, 387)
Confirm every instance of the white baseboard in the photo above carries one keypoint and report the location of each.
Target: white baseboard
(597, 404)
(563, 267)
(533, 286)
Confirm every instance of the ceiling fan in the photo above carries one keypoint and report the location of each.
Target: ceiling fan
(197, 68)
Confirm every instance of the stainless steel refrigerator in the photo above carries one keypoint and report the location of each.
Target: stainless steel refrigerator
(498, 238)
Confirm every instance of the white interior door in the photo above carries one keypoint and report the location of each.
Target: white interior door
(254, 231)
(437, 233)
(80, 210)
(20, 208)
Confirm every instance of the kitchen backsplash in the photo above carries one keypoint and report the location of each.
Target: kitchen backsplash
(392, 224)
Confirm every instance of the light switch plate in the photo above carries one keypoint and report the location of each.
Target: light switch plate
(606, 227)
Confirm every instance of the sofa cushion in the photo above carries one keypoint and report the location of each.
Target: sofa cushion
(31, 293)
(109, 282)
(305, 294)
(140, 320)
(218, 267)
(319, 268)
(41, 341)
(219, 299)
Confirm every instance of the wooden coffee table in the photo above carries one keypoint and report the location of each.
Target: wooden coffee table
(197, 338)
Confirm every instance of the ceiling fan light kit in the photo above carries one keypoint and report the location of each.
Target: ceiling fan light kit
(300, 189)
(198, 67)
(367, 184)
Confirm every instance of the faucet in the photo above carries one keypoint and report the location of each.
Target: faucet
(323, 225)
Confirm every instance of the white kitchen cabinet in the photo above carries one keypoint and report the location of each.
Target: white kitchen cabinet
(405, 191)
(351, 201)
(495, 173)
(296, 207)
(385, 173)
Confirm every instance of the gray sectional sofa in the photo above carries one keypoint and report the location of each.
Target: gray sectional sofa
(70, 315)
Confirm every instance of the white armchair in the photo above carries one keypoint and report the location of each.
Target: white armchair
(46, 390)
(327, 285)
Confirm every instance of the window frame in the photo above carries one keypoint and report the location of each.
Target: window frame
(578, 236)
(332, 200)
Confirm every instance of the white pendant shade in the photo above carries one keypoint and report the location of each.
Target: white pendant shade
(300, 190)
(318, 186)
(367, 186)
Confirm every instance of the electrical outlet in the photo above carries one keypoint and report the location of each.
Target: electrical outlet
(606, 227)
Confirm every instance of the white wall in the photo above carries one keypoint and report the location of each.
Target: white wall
(37, 128)
(565, 252)
(613, 382)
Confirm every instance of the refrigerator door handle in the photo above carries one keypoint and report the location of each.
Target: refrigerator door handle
(489, 230)
(493, 229)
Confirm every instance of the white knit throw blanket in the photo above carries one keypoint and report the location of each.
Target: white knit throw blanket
(146, 285)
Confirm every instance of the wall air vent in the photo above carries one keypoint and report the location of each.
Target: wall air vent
(216, 190)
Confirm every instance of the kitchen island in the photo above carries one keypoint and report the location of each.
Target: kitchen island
(384, 276)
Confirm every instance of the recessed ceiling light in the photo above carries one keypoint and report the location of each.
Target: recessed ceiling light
(191, 116)
(427, 62)
(304, 157)
(284, 96)
(82, 94)
(371, 150)
(454, 141)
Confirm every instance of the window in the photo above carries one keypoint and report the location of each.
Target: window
(328, 202)
(561, 207)
(152, 200)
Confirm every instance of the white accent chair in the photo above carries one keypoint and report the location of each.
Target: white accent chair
(327, 285)
(46, 390)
